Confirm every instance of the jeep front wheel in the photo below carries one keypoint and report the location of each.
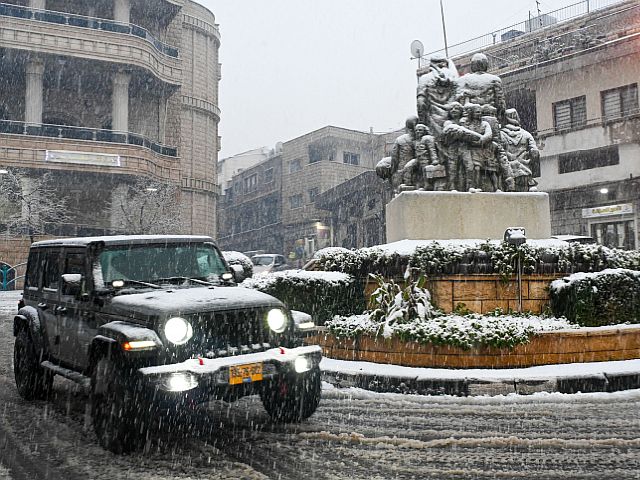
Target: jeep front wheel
(32, 380)
(292, 398)
(114, 408)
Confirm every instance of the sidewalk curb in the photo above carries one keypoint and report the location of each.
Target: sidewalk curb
(470, 386)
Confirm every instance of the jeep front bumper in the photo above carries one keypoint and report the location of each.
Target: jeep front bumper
(206, 375)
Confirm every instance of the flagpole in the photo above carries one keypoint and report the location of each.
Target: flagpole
(444, 31)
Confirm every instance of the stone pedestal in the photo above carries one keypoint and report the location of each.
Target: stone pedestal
(462, 215)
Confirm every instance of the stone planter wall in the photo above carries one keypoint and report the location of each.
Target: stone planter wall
(565, 346)
(483, 293)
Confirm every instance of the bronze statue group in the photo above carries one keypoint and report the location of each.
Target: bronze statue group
(463, 138)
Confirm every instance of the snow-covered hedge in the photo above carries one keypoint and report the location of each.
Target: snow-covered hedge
(237, 258)
(320, 294)
(475, 256)
(456, 330)
(608, 297)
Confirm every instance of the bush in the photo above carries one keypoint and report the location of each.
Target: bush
(237, 258)
(464, 257)
(320, 294)
(608, 297)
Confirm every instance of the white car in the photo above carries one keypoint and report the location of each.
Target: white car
(269, 262)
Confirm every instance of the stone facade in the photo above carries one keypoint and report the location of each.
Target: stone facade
(250, 212)
(144, 89)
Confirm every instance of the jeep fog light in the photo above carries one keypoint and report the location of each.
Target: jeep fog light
(277, 320)
(180, 382)
(178, 330)
(301, 364)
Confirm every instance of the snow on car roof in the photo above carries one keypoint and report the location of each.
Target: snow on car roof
(123, 240)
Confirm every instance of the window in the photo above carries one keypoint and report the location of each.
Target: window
(313, 193)
(620, 102)
(250, 183)
(32, 280)
(295, 165)
(295, 201)
(350, 158)
(315, 154)
(268, 175)
(587, 159)
(570, 113)
(51, 275)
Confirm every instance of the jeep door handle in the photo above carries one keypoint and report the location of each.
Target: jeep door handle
(43, 306)
(61, 310)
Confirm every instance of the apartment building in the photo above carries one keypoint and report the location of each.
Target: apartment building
(103, 93)
(302, 168)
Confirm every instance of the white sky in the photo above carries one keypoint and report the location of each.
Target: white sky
(293, 66)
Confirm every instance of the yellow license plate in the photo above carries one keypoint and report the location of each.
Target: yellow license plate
(251, 372)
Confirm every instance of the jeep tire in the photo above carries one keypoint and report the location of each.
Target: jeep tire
(32, 380)
(292, 398)
(115, 410)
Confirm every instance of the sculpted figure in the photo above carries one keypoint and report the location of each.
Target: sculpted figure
(402, 152)
(450, 149)
(436, 88)
(498, 168)
(481, 87)
(477, 146)
(432, 175)
(521, 148)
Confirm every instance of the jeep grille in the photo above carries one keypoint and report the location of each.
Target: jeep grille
(236, 332)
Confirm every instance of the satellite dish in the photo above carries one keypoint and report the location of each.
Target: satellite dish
(417, 49)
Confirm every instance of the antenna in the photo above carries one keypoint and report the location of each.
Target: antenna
(417, 50)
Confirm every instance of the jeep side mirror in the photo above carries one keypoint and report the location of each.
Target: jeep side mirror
(71, 284)
(238, 273)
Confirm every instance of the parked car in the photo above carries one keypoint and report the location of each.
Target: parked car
(574, 238)
(269, 262)
(154, 326)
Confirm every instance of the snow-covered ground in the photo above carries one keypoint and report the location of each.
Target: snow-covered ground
(355, 434)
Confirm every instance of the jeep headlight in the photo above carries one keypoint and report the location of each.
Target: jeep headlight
(178, 331)
(277, 320)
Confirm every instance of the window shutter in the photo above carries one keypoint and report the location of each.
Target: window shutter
(562, 115)
(611, 104)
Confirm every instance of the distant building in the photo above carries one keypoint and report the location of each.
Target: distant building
(356, 210)
(230, 166)
(304, 168)
(250, 211)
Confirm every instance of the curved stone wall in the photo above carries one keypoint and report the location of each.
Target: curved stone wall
(199, 116)
(566, 346)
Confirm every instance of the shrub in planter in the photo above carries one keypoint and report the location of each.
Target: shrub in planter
(320, 294)
(237, 258)
(608, 297)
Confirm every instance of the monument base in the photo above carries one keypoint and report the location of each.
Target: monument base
(460, 215)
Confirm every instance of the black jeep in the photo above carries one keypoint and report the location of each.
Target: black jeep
(154, 326)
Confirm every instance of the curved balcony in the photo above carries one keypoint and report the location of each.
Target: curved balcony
(89, 134)
(61, 18)
(49, 32)
(26, 146)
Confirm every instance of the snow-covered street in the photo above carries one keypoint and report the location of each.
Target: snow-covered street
(354, 434)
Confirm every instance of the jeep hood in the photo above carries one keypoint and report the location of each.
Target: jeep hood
(190, 300)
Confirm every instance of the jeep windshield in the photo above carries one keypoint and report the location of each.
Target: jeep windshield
(143, 265)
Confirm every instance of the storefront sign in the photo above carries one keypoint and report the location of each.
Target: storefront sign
(593, 212)
(84, 158)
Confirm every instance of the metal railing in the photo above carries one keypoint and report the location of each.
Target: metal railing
(13, 127)
(61, 18)
(508, 34)
(8, 281)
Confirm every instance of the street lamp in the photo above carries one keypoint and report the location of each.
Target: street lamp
(517, 236)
